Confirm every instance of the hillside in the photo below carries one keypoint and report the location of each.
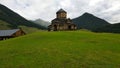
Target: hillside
(4, 25)
(113, 28)
(89, 21)
(14, 19)
(42, 22)
(67, 49)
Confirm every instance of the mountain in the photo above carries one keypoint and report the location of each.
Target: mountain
(42, 22)
(89, 21)
(113, 28)
(14, 20)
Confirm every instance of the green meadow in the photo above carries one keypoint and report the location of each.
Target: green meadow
(63, 49)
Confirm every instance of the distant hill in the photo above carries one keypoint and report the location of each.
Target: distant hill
(11, 20)
(113, 28)
(42, 22)
(89, 21)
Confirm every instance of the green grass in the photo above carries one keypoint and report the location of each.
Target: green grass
(70, 49)
(4, 25)
(29, 30)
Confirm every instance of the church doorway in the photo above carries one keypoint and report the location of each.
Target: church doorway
(55, 27)
(69, 27)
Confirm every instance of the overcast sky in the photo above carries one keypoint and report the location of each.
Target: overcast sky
(46, 9)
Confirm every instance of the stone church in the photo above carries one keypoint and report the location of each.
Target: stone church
(61, 22)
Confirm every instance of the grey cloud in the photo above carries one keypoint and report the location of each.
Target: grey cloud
(46, 9)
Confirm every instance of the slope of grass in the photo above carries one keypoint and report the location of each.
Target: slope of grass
(29, 30)
(71, 49)
(4, 25)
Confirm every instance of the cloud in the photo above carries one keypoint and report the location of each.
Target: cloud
(46, 9)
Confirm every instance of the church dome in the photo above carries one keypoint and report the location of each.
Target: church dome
(61, 11)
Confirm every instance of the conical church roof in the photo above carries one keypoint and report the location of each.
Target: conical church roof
(61, 10)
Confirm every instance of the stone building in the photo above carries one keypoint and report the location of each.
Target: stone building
(61, 22)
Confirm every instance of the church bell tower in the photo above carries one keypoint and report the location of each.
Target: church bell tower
(61, 14)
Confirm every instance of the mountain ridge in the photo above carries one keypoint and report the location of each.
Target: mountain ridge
(15, 19)
(89, 21)
(42, 22)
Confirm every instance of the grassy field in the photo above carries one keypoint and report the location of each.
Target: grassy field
(70, 49)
